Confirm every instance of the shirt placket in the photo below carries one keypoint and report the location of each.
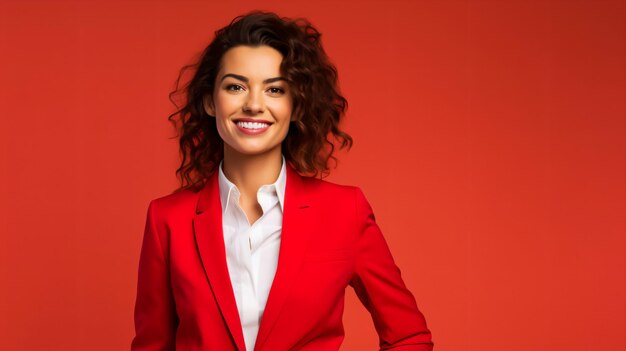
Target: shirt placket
(248, 241)
(249, 302)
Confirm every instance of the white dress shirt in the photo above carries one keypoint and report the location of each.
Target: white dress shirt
(252, 250)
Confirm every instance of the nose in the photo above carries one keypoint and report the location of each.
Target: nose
(254, 103)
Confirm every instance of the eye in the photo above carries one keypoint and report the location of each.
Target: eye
(234, 87)
(275, 90)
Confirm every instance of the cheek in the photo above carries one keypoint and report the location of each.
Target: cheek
(283, 109)
(224, 104)
(223, 108)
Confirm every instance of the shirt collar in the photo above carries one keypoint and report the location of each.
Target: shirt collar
(227, 188)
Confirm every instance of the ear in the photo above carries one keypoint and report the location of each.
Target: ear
(207, 103)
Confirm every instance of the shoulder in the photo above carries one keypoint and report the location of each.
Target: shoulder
(328, 187)
(179, 204)
(343, 205)
(341, 199)
(335, 193)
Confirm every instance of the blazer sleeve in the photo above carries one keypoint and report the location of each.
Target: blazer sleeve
(155, 314)
(379, 286)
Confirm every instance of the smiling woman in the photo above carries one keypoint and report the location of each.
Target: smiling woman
(254, 251)
(253, 106)
(278, 54)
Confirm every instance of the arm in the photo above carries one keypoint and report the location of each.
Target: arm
(379, 286)
(155, 314)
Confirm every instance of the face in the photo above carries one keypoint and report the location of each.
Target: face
(251, 102)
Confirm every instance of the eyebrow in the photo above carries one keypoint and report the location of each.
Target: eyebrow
(245, 79)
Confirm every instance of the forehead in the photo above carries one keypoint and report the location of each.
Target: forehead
(254, 62)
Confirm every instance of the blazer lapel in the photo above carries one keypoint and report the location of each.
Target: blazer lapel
(299, 224)
(207, 226)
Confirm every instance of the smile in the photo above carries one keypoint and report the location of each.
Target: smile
(252, 128)
(252, 125)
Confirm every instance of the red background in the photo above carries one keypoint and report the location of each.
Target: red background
(489, 139)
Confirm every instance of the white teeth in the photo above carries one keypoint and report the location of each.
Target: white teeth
(252, 125)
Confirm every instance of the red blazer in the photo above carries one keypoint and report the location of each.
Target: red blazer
(330, 240)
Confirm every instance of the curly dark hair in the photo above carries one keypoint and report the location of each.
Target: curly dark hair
(318, 106)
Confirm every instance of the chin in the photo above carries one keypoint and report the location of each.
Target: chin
(250, 151)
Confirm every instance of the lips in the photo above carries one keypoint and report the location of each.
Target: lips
(252, 127)
(251, 120)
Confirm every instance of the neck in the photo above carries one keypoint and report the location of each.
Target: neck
(249, 172)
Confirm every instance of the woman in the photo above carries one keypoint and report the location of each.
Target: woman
(251, 253)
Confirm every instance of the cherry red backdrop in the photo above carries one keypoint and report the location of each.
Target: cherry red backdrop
(489, 139)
